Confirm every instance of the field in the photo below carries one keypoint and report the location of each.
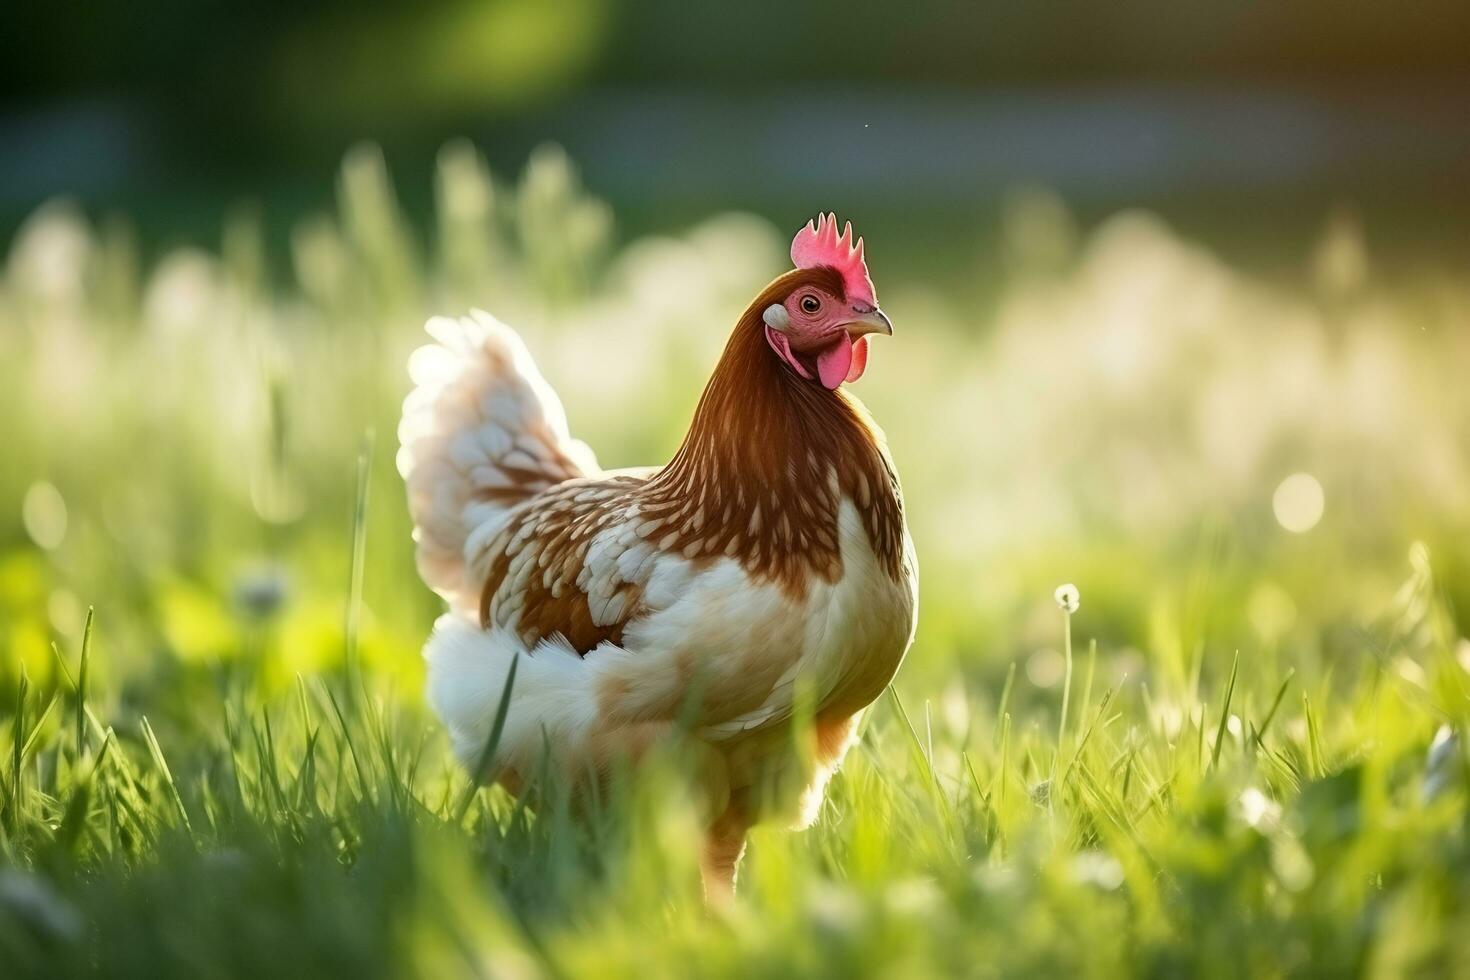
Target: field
(1243, 753)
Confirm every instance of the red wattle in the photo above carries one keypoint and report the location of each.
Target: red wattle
(834, 362)
(859, 359)
(842, 360)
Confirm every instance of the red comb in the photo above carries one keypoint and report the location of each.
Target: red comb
(819, 244)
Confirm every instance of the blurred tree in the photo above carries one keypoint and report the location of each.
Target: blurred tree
(203, 58)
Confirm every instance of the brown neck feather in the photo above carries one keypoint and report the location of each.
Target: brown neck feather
(768, 458)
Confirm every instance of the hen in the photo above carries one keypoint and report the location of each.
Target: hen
(766, 567)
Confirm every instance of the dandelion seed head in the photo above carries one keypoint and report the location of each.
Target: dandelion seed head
(1068, 598)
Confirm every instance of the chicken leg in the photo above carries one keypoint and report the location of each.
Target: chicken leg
(724, 843)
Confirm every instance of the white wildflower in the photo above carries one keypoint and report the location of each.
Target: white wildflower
(1068, 598)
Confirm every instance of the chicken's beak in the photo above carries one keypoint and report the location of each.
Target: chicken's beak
(874, 321)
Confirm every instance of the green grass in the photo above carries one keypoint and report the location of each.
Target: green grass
(1220, 764)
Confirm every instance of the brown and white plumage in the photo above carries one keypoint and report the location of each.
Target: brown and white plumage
(769, 556)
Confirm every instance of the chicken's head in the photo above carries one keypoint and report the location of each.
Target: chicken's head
(820, 327)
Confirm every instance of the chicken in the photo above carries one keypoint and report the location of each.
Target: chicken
(765, 572)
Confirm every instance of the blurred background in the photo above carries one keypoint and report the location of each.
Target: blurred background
(1242, 123)
(1181, 297)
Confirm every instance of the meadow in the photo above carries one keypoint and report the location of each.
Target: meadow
(1243, 753)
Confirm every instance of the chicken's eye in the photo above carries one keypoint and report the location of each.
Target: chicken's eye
(810, 304)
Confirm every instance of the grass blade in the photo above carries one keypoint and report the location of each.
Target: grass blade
(1225, 712)
(1271, 714)
(35, 733)
(17, 742)
(156, 751)
(1066, 692)
(492, 743)
(81, 716)
(353, 625)
(1005, 699)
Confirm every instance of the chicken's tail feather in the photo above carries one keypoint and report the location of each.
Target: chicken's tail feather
(481, 432)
